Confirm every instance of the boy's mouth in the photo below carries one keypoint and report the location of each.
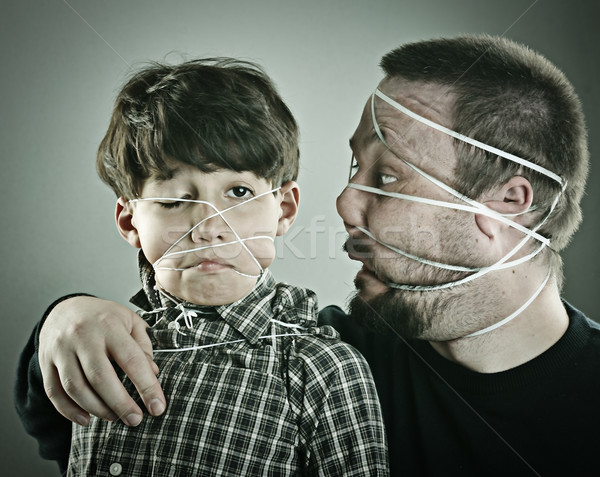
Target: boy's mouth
(211, 265)
(208, 264)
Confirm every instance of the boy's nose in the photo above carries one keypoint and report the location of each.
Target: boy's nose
(211, 230)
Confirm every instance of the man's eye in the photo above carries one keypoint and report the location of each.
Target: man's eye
(386, 179)
(353, 167)
(239, 192)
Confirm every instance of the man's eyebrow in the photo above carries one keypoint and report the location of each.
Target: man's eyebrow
(373, 138)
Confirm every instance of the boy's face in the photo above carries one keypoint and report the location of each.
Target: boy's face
(227, 249)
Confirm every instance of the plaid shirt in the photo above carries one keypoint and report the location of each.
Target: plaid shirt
(261, 391)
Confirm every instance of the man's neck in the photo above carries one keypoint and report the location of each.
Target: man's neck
(531, 333)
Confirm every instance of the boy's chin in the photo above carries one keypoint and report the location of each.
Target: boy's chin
(203, 296)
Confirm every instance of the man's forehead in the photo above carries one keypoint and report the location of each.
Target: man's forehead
(365, 133)
(397, 127)
(406, 137)
(430, 100)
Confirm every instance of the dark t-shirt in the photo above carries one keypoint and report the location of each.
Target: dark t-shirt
(539, 418)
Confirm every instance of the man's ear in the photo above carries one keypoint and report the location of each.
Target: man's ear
(290, 200)
(125, 223)
(513, 198)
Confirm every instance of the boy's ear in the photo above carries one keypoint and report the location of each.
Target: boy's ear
(513, 198)
(125, 223)
(290, 200)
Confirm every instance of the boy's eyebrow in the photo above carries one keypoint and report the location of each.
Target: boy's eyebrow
(166, 174)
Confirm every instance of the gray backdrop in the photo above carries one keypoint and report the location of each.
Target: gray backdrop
(63, 62)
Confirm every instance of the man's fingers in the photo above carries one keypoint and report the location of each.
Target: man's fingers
(135, 363)
(71, 394)
(80, 341)
(85, 388)
(62, 402)
(109, 391)
(139, 334)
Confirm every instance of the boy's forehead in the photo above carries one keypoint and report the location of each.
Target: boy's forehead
(175, 170)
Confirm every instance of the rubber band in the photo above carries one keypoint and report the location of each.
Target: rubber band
(472, 206)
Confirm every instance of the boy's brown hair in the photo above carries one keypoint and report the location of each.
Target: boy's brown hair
(214, 113)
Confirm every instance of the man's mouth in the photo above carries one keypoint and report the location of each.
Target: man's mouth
(359, 252)
(360, 255)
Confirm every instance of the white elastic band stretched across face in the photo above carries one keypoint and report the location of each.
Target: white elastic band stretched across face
(468, 140)
(218, 213)
(473, 207)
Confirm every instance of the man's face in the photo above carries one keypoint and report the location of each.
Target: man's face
(434, 233)
(224, 267)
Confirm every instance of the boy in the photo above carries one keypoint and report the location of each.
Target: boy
(202, 157)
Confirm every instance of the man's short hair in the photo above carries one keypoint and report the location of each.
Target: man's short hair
(514, 99)
(214, 113)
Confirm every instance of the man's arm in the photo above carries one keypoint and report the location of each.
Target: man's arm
(77, 344)
(68, 363)
(39, 417)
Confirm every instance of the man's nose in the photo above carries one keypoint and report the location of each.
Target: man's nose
(351, 206)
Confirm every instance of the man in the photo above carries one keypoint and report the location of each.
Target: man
(469, 163)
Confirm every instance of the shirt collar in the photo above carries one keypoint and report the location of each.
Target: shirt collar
(251, 315)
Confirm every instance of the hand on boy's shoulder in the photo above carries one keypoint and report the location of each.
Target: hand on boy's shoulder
(78, 343)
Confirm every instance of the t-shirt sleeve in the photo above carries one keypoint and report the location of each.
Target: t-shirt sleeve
(365, 341)
(37, 413)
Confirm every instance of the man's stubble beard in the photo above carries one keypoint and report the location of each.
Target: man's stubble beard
(435, 315)
(408, 314)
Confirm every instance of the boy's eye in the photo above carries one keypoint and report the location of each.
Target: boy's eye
(173, 203)
(239, 192)
(170, 205)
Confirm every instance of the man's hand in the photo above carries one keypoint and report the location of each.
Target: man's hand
(78, 340)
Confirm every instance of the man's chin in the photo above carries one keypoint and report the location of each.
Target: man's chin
(368, 286)
(370, 311)
(387, 312)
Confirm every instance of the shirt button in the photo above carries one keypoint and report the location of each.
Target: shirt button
(115, 469)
